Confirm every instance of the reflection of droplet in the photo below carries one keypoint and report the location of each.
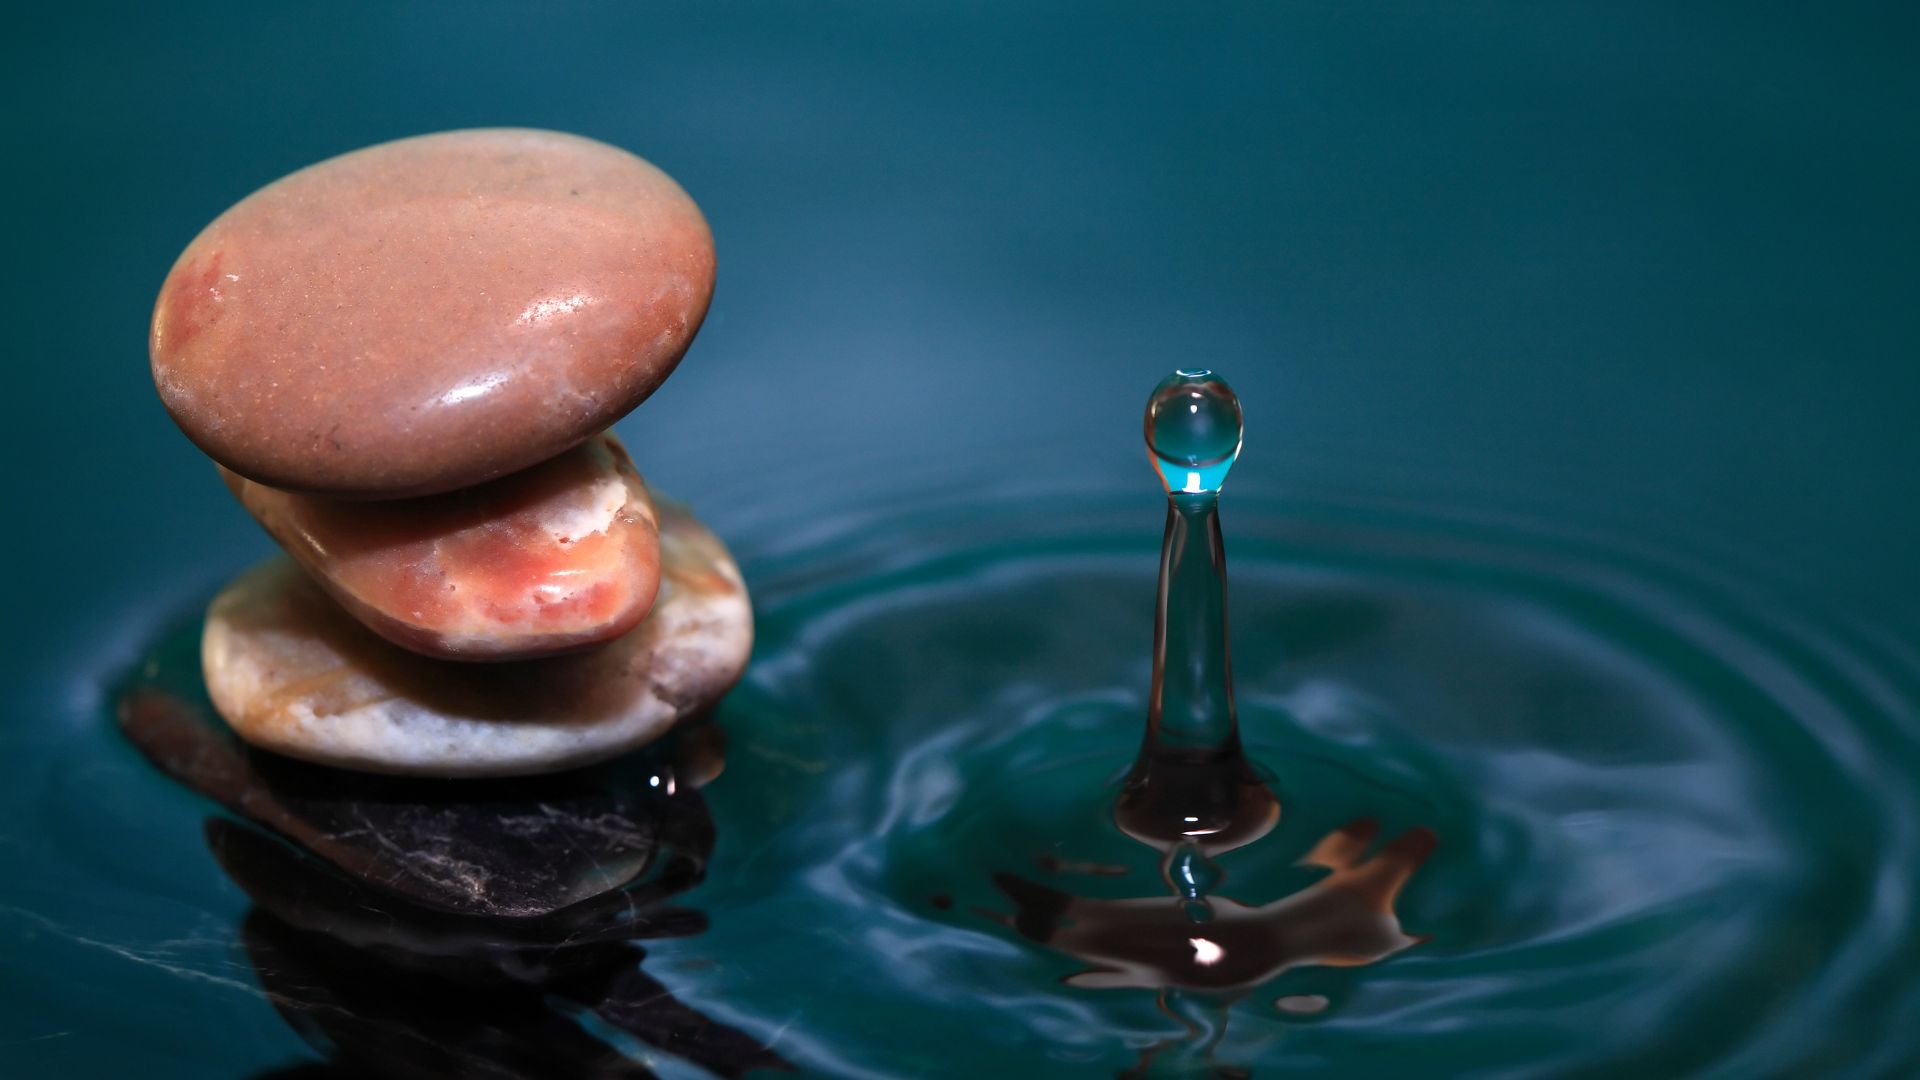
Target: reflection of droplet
(1191, 873)
(1302, 1004)
(1193, 430)
(1346, 919)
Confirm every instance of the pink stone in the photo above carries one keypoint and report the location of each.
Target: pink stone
(550, 559)
(430, 313)
(294, 674)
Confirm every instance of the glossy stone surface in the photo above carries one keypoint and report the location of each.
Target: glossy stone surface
(552, 558)
(295, 674)
(430, 313)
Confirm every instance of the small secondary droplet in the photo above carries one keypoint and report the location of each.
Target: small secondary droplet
(1302, 1004)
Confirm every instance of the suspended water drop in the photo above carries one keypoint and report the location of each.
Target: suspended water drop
(1193, 431)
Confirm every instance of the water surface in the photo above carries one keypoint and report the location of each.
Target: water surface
(1671, 817)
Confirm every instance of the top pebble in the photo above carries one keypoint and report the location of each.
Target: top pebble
(431, 313)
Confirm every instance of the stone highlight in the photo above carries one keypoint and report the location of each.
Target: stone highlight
(293, 673)
(431, 313)
(550, 559)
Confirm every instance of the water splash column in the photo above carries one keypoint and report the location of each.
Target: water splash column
(1193, 431)
(1191, 789)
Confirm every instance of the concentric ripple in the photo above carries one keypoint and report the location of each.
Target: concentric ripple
(1675, 817)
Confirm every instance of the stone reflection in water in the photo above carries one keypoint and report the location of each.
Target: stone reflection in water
(485, 928)
(385, 988)
(517, 848)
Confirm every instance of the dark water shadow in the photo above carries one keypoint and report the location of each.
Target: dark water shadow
(408, 927)
(517, 848)
(385, 988)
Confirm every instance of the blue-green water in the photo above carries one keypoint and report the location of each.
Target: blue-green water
(1674, 820)
(1506, 276)
(1649, 862)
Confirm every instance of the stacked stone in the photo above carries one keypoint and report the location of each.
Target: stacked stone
(404, 361)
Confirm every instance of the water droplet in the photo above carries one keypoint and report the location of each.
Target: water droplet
(1193, 430)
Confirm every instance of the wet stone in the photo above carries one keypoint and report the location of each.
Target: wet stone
(431, 313)
(550, 559)
(293, 673)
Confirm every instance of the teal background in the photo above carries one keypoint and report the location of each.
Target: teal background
(1648, 269)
